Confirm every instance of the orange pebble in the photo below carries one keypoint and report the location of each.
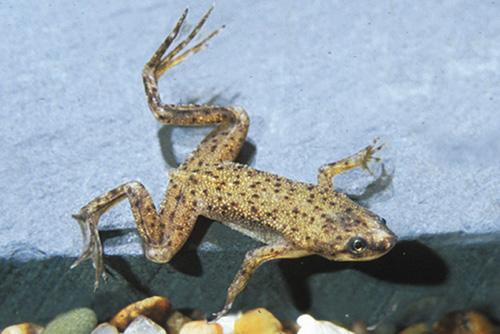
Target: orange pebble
(200, 327)
(24, 328)
(258, 321)
(155, 308)
(464, 323)
(419, 328)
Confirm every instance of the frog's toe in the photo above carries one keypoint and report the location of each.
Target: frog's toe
(92, 252)
(82, 258)
(216, 316)
(373, 148)
(99, 271)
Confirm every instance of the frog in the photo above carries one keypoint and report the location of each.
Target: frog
(292, 219)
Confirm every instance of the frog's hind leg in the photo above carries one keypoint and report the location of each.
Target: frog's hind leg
(161, 238)
(144, 213)
(226, 140)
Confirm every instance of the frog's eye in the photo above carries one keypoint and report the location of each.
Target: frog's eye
(382, 220)
(357, 245)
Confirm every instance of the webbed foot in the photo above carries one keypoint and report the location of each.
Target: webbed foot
(159, 64)
(92, 245)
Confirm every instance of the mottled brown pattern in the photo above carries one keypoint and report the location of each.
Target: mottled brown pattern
(293, 219)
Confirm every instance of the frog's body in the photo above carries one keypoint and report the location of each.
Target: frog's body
(275, 209)
(293, 219)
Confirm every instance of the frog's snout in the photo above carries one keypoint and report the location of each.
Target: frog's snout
(384, 241)
(391, 241)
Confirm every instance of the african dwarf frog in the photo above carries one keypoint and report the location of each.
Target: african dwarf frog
(293, 219)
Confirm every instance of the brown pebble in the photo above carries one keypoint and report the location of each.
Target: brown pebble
(258, 321)
(290, 326)
(359, 327)
(175, 322)
(155, 308)
(200, 327)
(420, 328)
(24, 328)
(197, 314)
(464, 322)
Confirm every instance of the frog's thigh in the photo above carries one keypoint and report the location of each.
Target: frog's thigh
(223, 143)
(177, 216)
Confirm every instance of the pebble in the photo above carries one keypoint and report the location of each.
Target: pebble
(175, 322)
(258, 321)
(197, 314)
(142, 325)
(227, 322)
(420, 328)
(290, 326)
(105, 328)
(465, 322)
(383, 328)
(201, 327)
(155, 308)
(359, 327)
(149, 315)
(77, 321)
(24, 328)
(309, 325)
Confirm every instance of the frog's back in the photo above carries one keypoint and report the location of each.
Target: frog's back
(262, 205)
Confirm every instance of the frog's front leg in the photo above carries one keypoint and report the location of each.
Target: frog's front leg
(162, 234)
(361, 159)
(253, 259)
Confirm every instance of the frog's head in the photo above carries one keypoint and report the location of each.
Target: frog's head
(355, 234)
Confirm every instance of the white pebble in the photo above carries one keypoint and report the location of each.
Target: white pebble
(227, 322)
(309, 325)
(144, 325)
(105, 328)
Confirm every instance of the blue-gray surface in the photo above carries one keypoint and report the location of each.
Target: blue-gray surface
(318, 80)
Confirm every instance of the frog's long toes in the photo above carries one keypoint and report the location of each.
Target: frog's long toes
(156, 59)
(97, 278)
(78, 261)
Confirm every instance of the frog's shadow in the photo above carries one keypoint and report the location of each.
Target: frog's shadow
(408, 263)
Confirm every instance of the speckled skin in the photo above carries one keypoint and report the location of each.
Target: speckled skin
(293, 219)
